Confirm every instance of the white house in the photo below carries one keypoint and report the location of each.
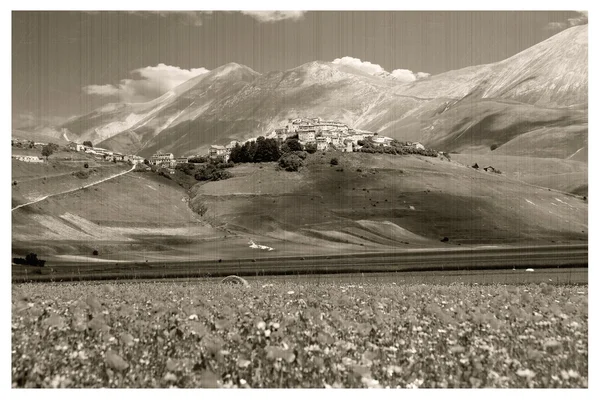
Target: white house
(162, 158)
(30, 159)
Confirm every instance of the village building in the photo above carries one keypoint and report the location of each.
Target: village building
(307, 136)
(217, 151)
(322, 143)
(181, 160)
(30, 159)
(162, 158)
(348, 146)
(76, 146)
(416, 145)
(382, 140)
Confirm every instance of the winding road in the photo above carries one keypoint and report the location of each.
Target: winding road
(73, 190)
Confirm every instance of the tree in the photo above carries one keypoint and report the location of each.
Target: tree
(266, 150)
(31, 259)
(334, 161)
(87, 143)
(47, 151)
(493, 147)
(146, 162)
(290, 162)
(291, 145)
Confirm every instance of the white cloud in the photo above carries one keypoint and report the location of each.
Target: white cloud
(148, 83)
(402, 75)
(274, 16)
(357, 63)
(555, 26)
(580, 19)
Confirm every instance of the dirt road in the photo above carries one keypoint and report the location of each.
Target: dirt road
(74, 190)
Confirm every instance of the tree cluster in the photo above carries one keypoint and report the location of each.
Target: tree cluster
(396, 147)
(261, 150)
(30, 259)
(212, 172)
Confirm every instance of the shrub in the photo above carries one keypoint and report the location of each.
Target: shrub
(81, 174)
(88, 143)
(301, 154)
(199, 208)
(334, 161)
(311, 148)
(493, 147)
(210, 172)
(95, 252)
(291, 145)
(290, 162)
(14, 183)
(86, 165)
(197, 160)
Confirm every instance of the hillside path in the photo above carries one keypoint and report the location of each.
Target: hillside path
(74, 190)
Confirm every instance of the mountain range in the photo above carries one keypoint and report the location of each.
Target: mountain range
(531, 104)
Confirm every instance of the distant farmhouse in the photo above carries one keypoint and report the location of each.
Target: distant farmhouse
(163, 160)
(30, 159)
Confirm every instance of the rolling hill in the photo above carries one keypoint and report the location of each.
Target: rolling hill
(535, 98)
(394, 202)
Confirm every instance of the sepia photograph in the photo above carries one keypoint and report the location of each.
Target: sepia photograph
(325, 199)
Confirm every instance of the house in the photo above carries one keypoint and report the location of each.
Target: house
(348, 146)
(306, 136)
(76, 146)
(161, 158)
(30, 159)
(181, 160)
(216, 151)
(382, 140)
(322, 143)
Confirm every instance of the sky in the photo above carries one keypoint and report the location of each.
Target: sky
(68, 63)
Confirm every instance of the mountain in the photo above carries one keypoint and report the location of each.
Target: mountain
(533, 103)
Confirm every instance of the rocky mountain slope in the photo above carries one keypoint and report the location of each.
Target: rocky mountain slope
(537, 97)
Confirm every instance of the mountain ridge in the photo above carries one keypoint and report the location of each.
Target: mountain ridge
(235, 102)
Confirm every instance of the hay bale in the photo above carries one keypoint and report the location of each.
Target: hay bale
(235, 280)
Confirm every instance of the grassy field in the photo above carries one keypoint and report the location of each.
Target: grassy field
(367, 203)
(565, 175)
(282, 334)
(389, 201)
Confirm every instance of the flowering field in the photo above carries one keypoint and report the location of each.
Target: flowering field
(299, 335)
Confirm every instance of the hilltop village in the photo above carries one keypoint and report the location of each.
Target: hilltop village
(312, 134)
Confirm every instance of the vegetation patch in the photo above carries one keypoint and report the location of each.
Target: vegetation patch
(299, 335)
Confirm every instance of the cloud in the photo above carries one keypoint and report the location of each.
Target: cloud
(274, 16)
(357, 63)
(402, 75)
(580, 19)
(555, 26)
(148, 83)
